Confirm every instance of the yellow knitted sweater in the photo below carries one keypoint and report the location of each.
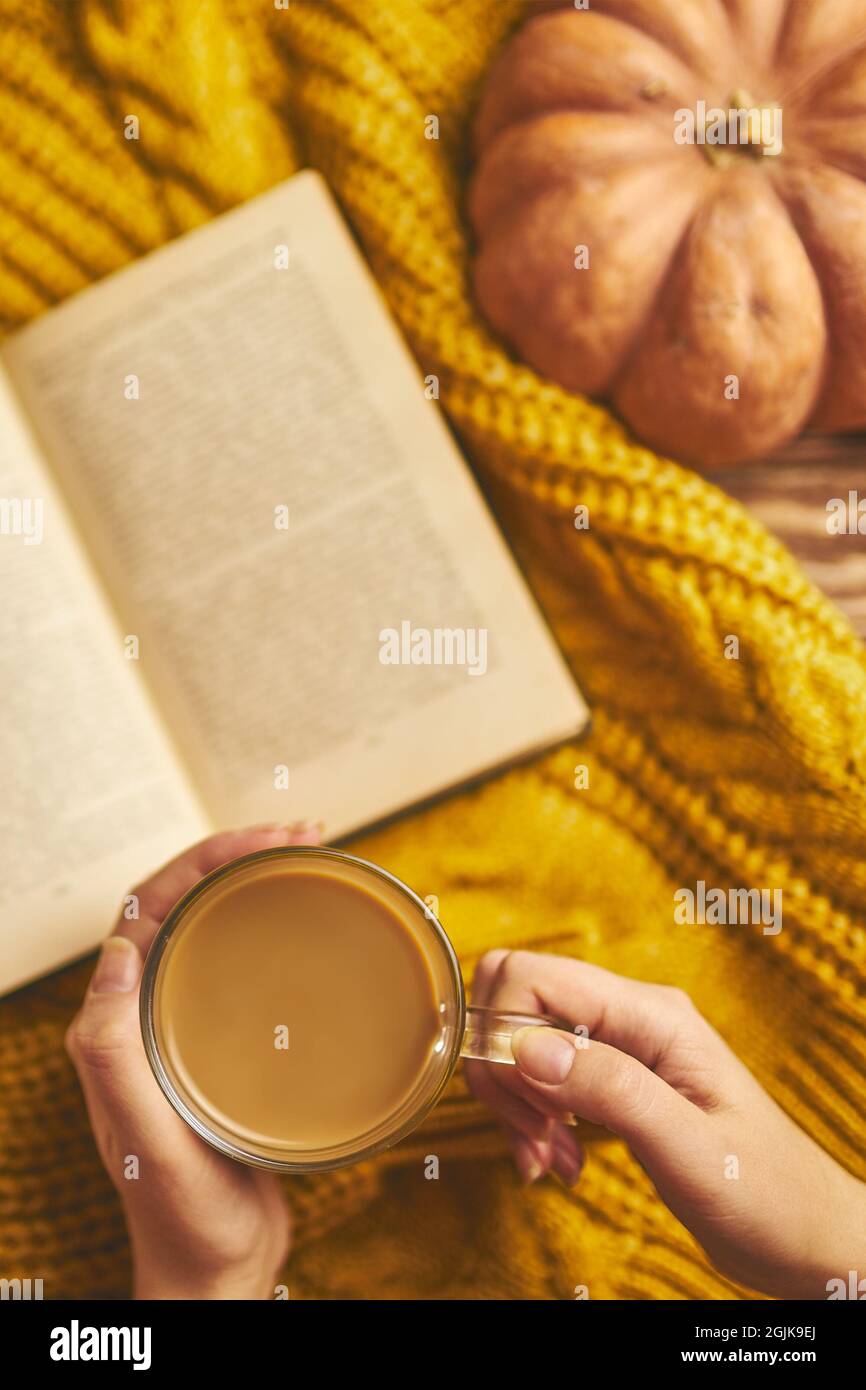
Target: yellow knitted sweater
(746, 772)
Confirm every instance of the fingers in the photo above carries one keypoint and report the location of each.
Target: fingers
(645, 1054)
(532, 1122)
(668, 1133)
(513, 1110)
(631, 1015)
(128, 1112)
(158, 894)
(560, 1154)
(532, 1157)
(654, 1023)
(520, 1108)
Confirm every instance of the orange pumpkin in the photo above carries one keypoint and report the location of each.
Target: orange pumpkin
(706, 278)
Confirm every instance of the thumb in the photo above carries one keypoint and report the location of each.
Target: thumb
(673, 1138)
(100, 1036)
(126, 1107)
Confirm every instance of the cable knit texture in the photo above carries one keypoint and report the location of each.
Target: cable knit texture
(742, 773)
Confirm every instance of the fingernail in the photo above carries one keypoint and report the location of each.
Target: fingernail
(530, 1170)
(118, 967)
(307, 827)
(569, 1165)
(542, 1054)
(529, 1166)
(267, 827)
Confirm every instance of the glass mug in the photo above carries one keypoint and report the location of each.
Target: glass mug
(461, 1031)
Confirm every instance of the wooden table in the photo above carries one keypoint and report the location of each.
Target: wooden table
(789, 494)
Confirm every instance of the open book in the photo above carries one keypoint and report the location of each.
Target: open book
(245, 574)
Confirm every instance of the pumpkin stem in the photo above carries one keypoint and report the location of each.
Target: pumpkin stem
(753, 127)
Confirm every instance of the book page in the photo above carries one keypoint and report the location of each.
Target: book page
(328, 615)
(91, 798)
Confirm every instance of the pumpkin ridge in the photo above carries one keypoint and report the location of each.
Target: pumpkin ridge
(505, 144)
(836, 407)
(822, 379)
(654, 117)
(775, 53)
(814, 29)
(824, 68)
(592, 354)
(812, 149)
(520, 64)
(635, 21)
(747, 16)
(664, 281)
(695, 331)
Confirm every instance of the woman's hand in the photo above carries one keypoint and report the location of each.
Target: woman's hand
(771, 1208)
(200, 1225)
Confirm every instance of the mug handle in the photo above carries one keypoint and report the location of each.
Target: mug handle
(488, 1033)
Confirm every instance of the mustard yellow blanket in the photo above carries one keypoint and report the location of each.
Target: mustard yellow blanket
(746, 772)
